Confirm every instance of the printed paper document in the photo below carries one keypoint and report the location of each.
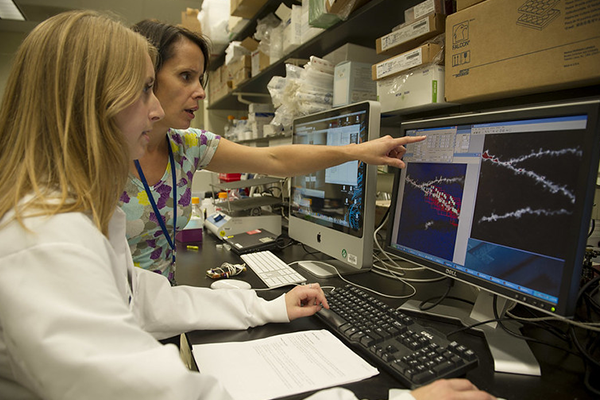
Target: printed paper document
(281, 365)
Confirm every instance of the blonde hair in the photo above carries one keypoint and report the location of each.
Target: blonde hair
(58, 139)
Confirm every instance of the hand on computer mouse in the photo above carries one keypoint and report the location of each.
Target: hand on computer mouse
(455, 389)
(305, 300)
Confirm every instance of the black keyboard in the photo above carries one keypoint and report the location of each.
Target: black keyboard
(413, 354)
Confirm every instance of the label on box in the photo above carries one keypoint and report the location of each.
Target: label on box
(425, 8)
(400, 63)
(405, 34)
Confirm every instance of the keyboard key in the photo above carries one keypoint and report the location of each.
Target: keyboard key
(272, 270)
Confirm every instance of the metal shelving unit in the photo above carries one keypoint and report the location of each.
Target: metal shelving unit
(249, 203)
(363, 27)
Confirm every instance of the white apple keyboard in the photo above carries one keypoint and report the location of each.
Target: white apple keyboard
(272, 270)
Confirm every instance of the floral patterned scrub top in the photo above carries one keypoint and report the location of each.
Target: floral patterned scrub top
(192, 150)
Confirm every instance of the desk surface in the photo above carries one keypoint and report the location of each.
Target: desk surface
(562, 373)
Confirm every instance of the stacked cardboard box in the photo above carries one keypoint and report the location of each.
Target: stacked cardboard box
(240, 66)
(219, 84)
(503, 48)
(246, 8)
(411, 79)
(189, 20)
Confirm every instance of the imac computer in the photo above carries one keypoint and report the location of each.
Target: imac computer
(502, 202)
(333, 210)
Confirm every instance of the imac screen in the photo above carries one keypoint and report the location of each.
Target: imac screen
(332, 210)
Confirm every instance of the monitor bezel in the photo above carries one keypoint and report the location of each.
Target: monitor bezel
(578, 234)
(336, 244)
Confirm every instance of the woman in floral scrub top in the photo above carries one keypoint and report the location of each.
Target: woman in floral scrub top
(192, 150)
(180, 79)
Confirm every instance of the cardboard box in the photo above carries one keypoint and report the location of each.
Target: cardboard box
(259, 62)
(496, 49)
(240, 76)
(353, 52)
(411, 35)
(246, 8)
(217, 90)
(352, 83)
(424, 9)
(422, 55)
(189, 20)
(462, 4)
(343, 7)
(237, 50)
(407, 36)
(239, 63)
(292, 33)
(419, 89)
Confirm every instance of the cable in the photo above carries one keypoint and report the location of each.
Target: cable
(440, 298)
(383, 222)
(592, 326)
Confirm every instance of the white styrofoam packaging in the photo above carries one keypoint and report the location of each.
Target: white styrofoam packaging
(352, 83)
(292, 33)
(308, 31)
(260, 108)
(353, 52)
(416, 90)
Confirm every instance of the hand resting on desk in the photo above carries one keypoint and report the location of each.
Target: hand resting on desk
(305, 300)
(450, 389)
(443, 389)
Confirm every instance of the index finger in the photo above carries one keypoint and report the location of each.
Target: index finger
(319, 295)
(411, 139)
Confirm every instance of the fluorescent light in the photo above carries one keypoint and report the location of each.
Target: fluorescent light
(9, 10)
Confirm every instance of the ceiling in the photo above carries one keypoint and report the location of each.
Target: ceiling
(131, 11)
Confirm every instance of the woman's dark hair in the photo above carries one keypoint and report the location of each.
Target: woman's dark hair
(165, 36)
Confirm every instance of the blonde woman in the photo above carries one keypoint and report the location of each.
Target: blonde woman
(77, 320)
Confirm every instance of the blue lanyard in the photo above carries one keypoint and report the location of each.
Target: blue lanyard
(153, 203)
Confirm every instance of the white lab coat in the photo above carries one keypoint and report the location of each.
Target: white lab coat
(78, 321)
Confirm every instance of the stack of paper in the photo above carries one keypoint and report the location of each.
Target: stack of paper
(281, 365)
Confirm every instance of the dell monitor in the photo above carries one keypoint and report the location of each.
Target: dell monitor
(501, 201)
(333, 210)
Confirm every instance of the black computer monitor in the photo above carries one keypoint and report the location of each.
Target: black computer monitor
(333, 210)
(501, 201)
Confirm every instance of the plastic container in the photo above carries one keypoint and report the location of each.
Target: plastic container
(193, 230)
(231, 177)
(230, 132)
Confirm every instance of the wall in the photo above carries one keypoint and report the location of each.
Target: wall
(9, 42)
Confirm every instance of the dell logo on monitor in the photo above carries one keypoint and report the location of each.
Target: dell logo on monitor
(450, 272)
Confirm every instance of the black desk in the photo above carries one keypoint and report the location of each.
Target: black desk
(562, 374)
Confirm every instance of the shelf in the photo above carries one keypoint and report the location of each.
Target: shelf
(266, 139)
(252, 202)
(395, 118)
(248, 203)
(363, 27)
(246, 183)
(250, 28)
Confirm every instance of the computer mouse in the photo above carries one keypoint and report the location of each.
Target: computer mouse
(230, 284)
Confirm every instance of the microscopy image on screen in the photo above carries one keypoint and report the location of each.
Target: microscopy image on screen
(431, 207)
(521, 268)
(527, 184)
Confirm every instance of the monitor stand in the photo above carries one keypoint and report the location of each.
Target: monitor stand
(325, 269)
(511, 354)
